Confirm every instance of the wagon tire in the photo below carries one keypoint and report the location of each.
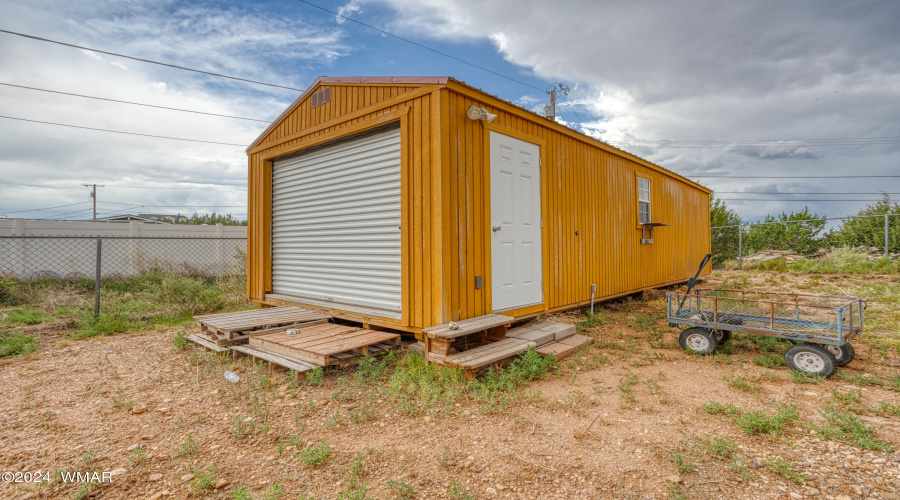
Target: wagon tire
(723, 336)
(698, 340)
(842, 354)
(809, 358)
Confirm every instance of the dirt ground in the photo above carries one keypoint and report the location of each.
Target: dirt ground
(627, 417)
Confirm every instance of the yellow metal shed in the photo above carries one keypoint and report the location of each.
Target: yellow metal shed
(379, 199)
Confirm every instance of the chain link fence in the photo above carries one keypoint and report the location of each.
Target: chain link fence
(733, 246)
(96, 258)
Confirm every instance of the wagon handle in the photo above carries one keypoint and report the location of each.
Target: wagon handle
(693, 281)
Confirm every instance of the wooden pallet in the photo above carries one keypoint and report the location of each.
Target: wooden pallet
(299, 367)
(236, 327)
(207, 345)
(327, 344)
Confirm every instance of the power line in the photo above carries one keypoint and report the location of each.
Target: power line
(176, 206)
(422, 46)
(792, 194)
(214, 186)
(762, 140)
(789, 176)
(147, 60)
(772, 199)
(46, 208)
(821, 144)
(120, 132)
(134, 103)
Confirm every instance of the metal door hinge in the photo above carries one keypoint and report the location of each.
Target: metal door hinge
(542, 284)
(542, 222)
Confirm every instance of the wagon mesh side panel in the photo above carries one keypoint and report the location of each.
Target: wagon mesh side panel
(802, 315)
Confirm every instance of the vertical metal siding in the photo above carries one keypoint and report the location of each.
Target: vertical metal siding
(336, 224)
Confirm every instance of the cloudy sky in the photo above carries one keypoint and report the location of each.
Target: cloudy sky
(711, 90)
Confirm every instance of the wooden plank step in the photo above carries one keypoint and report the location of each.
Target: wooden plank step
(565, 347)
(487, 354)
(259, 318)
(320, 341)
(285, 361)
(468, 326)
(209, 344)
(542, 332)
(223, 318)
(264, 321)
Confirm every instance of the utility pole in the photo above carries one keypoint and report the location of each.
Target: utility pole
(94, 195)
(550, 109)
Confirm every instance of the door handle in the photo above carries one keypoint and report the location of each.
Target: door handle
(496, 228)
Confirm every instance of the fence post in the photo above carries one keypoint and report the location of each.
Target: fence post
(887, 244)
(97, 281)
(220, 233)
(740, 247)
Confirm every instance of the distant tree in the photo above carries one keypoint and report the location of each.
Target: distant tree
(866, 230)
(724, 239)
(213, 219)
(786, 232)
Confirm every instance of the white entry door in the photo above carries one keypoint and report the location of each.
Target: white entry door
(516, 267)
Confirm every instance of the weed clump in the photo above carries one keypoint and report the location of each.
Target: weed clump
(16, 344)
(771, 422)
(848, 428)
(314, 454)
(497, 387)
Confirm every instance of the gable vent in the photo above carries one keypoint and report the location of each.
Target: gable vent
(320, 97)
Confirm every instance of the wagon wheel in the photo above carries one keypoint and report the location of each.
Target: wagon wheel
(843, 354)
(722, 335)
(698, 340)
(809, 358)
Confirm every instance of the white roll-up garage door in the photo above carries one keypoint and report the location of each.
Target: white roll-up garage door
(336, 224)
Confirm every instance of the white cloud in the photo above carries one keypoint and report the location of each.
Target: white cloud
(704, 70)
(241, 42)
(346, 11)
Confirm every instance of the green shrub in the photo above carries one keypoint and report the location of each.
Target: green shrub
(762, 422)
(204, 479)
(418, 386)
(315, 376)
(781, 466)
(12, 292)
(192, 293)
(770, 422)
(498, 385)
(181, 340)
(16, 343)
(847, 427)
(105, 324)
(401, 490)
(314, 454)
(25, 316)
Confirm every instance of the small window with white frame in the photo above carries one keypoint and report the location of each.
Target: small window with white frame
(643, 200)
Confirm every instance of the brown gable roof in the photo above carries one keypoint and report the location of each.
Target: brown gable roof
(413, 80)
(444, 80)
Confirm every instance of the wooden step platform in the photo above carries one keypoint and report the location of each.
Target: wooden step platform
(542, 332)
(463, 335)
(565, 347)
(299, 367)
(326, 344)
(236, 327)
(474, 359)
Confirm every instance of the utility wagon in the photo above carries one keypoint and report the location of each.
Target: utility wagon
(820, 326)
